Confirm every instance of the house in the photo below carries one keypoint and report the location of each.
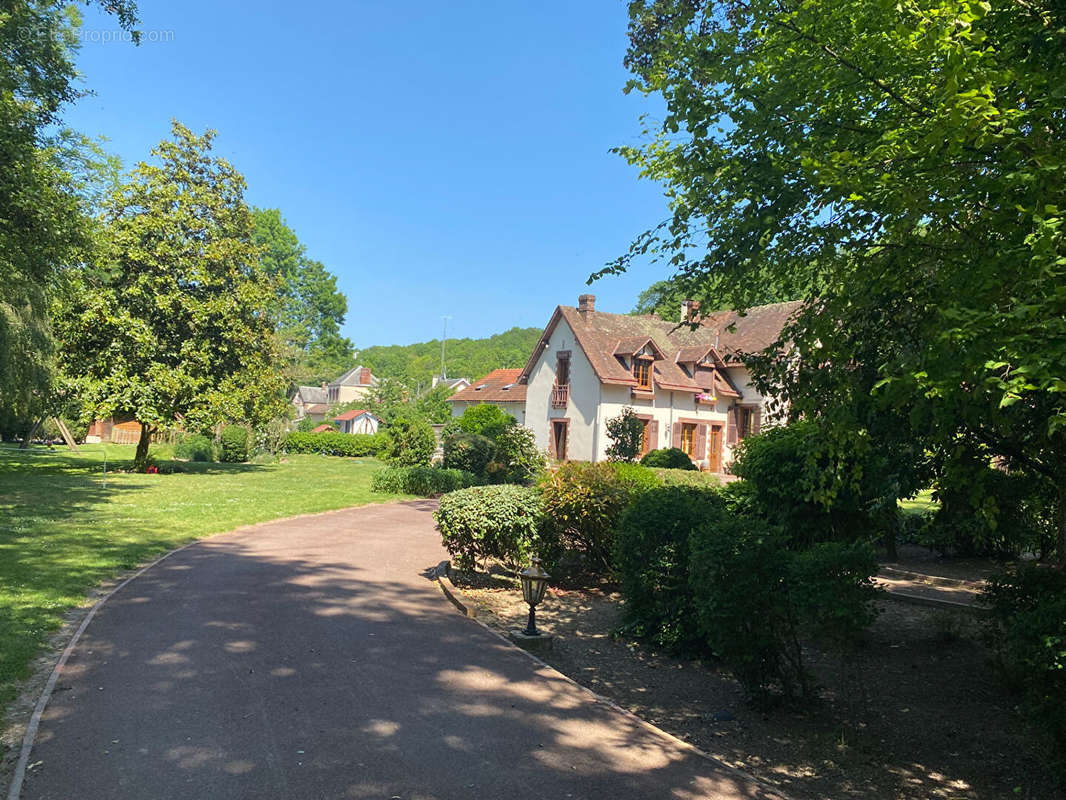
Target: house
(688, 386)
(355, 384)
(501, 388)
(116, 430)
(310, 401)
(357, 421)
(455, 384)
(323, 428)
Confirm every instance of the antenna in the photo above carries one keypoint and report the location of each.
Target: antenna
(443, 342)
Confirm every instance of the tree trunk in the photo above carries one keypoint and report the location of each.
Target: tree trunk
(1060, 554)
(140, 461)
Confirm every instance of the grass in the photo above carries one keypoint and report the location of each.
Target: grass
(63, 529)
(922, 503)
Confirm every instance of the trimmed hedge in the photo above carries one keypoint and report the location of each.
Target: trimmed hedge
(754, 598)
(582, 505)
(233, 444)
(351, 445)
(498, 522)
(195, 447)
(651, 559)
(687, 477)
(1027, 629)
(668, 458)
(424, 481)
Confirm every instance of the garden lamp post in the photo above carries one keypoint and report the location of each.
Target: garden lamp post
(534, 583)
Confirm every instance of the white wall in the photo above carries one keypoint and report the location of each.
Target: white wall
(584, 405)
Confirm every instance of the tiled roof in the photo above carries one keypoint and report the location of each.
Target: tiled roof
(602, 336)
(322, 428)
(311, 394)
(317, 408)
(499, 386)
(358, 412)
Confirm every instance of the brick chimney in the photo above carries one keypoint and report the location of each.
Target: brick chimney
(586, 303)
(364, 376)
(690, 311)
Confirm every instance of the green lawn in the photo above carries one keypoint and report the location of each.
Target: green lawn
(63, 530)
(922, 503)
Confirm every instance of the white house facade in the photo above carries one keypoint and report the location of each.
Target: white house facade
(687, 385)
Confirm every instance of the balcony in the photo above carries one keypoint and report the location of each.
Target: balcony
(560, 396)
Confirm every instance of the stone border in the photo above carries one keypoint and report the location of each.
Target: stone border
(455, 596)
(18, 774)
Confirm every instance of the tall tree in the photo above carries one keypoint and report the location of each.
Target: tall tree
(310, 308)
(173, 319)
(902, 167)
(43, 227)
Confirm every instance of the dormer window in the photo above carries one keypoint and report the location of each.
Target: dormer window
(642, 371)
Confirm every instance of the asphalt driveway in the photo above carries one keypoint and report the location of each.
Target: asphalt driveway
(314, 658)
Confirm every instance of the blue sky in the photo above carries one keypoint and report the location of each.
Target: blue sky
(438, 157)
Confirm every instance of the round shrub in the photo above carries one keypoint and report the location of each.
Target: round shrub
(233, 445)
(422, 481)
(518, 460)
(195, 447)
(668, 458)
(753, 597)
(411, 443)
(483, 522)
(470, 452)
(582, 504)
(484, 420)
(651, 560)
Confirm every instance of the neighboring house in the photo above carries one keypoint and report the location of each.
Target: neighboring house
(689, 387)
(114, 430)
(455, 384)
(355, 384)
(310, 401)
(324, 428)
(357, 421)
(500, 387)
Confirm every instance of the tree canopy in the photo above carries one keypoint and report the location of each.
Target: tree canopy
(310, 309)
(173, 318)
(901, 167)
(43, 220)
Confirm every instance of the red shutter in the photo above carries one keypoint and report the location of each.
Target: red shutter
(756, 420)
(677, 436)
(653, 435)
(731, 430)
(701, 443)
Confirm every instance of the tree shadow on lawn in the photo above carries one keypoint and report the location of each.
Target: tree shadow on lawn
(226, 671)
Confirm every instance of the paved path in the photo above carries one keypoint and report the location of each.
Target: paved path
(315, 659)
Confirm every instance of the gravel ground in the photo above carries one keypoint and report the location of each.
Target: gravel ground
(916, 714)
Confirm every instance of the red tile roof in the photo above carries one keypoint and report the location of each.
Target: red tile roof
(603, 336)
(499, 386)
(322, 428)
(351, 414)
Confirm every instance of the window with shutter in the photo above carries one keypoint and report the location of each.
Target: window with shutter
(653, 435)
(675, 440)
(701, 443)
(731, 429)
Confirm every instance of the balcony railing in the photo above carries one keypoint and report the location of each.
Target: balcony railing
(560, 396)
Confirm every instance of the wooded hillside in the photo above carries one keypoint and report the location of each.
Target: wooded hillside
(417, 363)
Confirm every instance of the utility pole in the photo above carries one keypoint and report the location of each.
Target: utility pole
(443, 342)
